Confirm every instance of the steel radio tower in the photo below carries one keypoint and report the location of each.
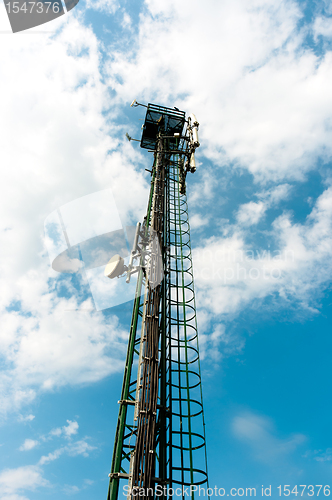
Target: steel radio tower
(160, 439)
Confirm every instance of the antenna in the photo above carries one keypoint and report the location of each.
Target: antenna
(115, 267)
(130, 138)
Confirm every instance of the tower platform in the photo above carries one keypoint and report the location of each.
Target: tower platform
(173, 123)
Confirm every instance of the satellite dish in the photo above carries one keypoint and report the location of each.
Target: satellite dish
(115, 267)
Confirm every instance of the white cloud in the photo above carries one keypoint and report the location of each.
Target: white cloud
(263, 102)
(262, 99)
(219, 340)
(197, 221)
(56, 148)
(88, 482)
(26, 418)
(274, 195)
(67, 430)
(127, 21)
(259, 434)
(323, 456)
(14, 497)
(200, 194)
(71, 489)
(74, 449)
(230, 274)
(28, 445)
(80, 448)
(70, 429)
(322, 27)
(109, 6)
(55, 432)
(251, 213)
(13, 481)
(54, 455)
(55, 348)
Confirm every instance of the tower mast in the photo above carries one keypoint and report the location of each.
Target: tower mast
(160, 437)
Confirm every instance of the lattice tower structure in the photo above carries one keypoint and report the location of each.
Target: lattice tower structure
(160, 434)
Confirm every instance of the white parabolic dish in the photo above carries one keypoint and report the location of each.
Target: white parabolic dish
(114, 267)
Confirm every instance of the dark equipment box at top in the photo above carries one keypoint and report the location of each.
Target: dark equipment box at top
(169, 121)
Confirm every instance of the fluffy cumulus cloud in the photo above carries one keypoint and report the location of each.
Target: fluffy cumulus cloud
(231, 273)
(14, 481)
(322, 28)
(57, 145)
(264, 101)
(28, 444)
(81, 447)
(67, 430)
(71, 448)
(262, 95)
(252, 212)
(57, 347)
(26, 418)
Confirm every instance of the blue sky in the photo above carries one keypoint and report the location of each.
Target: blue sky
(257, 74)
